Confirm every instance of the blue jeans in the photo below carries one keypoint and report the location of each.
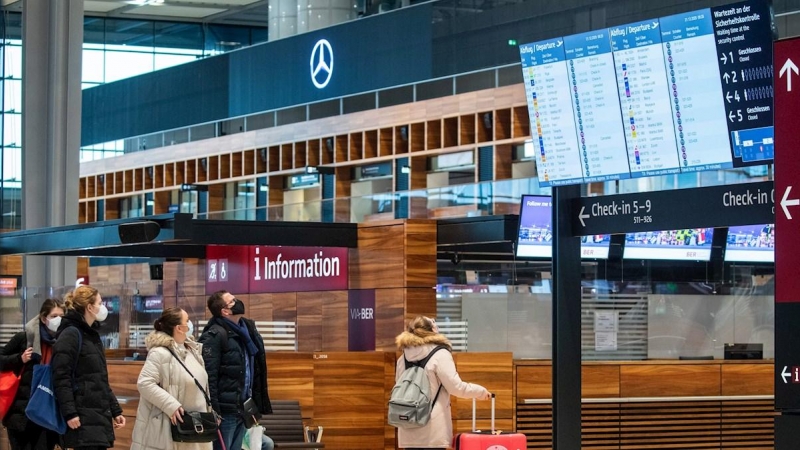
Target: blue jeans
(232, 429)
(267, 443)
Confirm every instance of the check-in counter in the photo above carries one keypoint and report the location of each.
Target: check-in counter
(637, 404)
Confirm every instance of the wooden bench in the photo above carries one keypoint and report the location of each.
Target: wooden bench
(285, 427)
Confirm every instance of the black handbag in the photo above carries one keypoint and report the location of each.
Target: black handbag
(197, 426)
(250, 413)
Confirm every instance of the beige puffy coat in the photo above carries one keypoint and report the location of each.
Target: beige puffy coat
(164, 385)
(441, 370)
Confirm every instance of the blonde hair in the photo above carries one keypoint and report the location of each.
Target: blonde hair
(421, 326)
(81, 297)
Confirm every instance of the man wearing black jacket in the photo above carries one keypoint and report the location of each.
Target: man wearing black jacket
(235, 360)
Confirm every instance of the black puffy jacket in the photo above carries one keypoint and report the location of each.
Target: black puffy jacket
(11, 359)
(223, 354)
(88, 395)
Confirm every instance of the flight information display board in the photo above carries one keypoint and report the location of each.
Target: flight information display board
(682, 93)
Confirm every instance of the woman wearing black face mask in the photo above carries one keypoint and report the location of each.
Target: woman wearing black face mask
(234, 356)
(32, 346)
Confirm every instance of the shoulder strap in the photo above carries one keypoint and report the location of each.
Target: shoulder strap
(208, 400)
(421, 363)
(80, 346)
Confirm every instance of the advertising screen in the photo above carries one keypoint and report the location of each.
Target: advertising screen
(751, 243)
(682, 93)
(535, 238)
(691, 245)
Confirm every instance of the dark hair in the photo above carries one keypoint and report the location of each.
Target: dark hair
(216, 303)
(48, 306)
(80, 297)
(170, 318)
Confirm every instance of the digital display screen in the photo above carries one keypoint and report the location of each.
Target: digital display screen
(691, 245)
(682, 93)
(151, 303)
(751, 243)
(535, 237)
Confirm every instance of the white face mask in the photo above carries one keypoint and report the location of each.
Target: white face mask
(53, 324)
(102, 313)
(191, 328)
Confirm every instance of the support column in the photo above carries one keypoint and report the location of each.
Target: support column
(566, 322)
(52, 41)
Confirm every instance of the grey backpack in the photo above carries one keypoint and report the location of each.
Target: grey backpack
(410, 404)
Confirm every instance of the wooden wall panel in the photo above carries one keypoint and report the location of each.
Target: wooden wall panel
(389, 307)
(660, 380)
(420, 301)
(600, 381)
(748, 379)
(260, 307)
(309, 321)
(494, 371)
(349, 399)
(190, 275)
(11, 265)
(535, 382)
(334, 321)
(420, 247)
(380, 258)
(284, 306)
(290, 376)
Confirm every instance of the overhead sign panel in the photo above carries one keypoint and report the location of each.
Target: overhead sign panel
(717, 206)
(682, 93)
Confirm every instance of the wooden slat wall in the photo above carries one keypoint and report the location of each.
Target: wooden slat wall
(495, 372)
(657, 425)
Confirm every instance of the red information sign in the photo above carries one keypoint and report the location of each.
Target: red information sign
(256, 269)
(787, 170)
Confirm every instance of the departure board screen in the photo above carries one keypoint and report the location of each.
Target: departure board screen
(682, 93)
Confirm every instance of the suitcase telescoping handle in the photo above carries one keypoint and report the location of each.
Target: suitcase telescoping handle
(474, 410)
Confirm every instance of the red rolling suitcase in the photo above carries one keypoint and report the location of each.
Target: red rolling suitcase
(485, 440)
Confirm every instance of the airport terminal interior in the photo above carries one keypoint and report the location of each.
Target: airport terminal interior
(343, 166)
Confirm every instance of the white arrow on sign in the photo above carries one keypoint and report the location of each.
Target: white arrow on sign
(582, 216)
(788, 68)
(785, 374)
(724, 59)
(728, 96)
(785, 202)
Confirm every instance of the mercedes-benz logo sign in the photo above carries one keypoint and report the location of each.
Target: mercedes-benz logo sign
(321, 63)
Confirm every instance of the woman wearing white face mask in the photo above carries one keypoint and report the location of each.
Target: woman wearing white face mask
(32, 346)
(167, 383)
(80, 375)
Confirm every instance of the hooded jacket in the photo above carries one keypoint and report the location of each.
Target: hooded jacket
(88, 394)
(164, 386)
(441, 370)
(11, 359)
(224, 354)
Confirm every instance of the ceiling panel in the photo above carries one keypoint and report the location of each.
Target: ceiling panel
(192, 12)
(103, 7)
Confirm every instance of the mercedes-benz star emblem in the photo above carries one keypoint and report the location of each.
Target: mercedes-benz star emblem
(321, 63)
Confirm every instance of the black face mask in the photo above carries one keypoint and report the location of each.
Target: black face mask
(237, 308)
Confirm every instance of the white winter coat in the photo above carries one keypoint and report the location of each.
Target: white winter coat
(164, 385)
(441, 370)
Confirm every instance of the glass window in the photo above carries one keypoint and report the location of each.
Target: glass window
(13, 60)
(12, 91)
(93, 66)
(179, 37)
(129, 32)
(12, 130)
(12, 163)
(121, 65)
(164, 60)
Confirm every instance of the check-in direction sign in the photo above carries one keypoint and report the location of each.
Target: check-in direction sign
(787, 170)
(717, 206)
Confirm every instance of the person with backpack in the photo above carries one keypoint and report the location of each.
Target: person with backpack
(80, 374)
(33, 345)
(416, 343)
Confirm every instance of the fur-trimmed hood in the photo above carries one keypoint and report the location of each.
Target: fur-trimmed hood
(161, 339)
(405, 340)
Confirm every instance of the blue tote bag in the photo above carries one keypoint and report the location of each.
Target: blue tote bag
(43, 408)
